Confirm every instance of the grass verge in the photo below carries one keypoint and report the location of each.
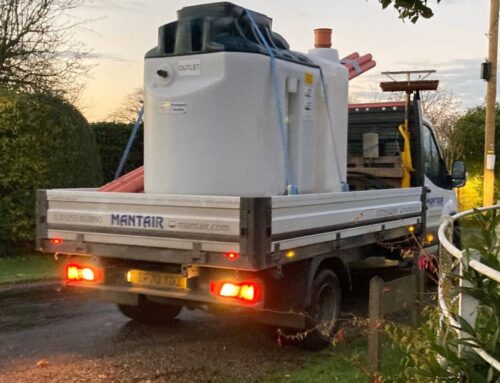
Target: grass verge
(336, 365)
(28, 268)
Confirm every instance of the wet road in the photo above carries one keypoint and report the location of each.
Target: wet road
(74, 338)
(52, 334)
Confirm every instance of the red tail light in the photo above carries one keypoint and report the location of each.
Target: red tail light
(56, 241)
(77, 273)
(248, 292)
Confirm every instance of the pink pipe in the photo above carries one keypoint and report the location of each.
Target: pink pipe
(352, 56)
(360, 61)
(111, 186)
(133, 186)
(364, 68)
(125, 185)
(129, 182)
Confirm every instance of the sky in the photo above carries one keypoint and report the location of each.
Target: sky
(454, 42)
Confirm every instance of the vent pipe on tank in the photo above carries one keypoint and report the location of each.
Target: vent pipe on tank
(323, 38)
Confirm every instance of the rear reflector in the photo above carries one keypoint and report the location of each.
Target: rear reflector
(56, 241)
(232, 255)
(83, 273)
(245, 291)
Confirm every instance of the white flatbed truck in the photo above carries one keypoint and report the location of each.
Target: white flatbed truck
(283, 259)
(223, 225)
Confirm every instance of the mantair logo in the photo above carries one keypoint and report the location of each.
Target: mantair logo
(435, 201)
(197, 226)
(202, 226)
(135, 220)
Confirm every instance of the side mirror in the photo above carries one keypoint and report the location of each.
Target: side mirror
(458, 174)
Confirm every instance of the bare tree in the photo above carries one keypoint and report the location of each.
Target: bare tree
(127, 112)
(37, 47)
(442, 109)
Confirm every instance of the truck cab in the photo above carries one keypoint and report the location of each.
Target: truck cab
(379, 166)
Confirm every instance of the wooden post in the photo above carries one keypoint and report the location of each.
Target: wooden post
(375, 333)
(491, 95)
(417, 298)
(421, 292)
(467, 305)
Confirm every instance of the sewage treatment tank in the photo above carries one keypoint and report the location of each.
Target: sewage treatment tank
(230, 110)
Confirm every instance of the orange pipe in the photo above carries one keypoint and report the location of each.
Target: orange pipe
(323, 38)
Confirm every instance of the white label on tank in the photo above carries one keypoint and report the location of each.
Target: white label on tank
(190, 67)
(173, 107)
(308, 103)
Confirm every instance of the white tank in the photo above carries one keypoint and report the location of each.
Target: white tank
(211, 121)
(211, 126)
(331, 143)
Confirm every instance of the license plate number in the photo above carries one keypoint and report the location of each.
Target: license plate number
(156, 279)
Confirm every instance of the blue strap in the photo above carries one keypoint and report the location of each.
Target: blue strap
(354, 63)
(129, 143)
(291, 189)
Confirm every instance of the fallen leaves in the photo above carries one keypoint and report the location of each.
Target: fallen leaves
(43, 363)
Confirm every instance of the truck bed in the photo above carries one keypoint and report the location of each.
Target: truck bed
(201, 229)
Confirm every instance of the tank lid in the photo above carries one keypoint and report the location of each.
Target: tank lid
(221, 9)
(218, 27)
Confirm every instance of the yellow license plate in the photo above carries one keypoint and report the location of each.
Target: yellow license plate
(156, 279)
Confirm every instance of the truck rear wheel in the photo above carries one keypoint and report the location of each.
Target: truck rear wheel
(324, 310)
(150, 312)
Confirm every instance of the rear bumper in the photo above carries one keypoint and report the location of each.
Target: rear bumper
(114, 287)
(130, 296)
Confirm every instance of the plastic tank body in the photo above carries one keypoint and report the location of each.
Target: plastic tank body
(331, 144)
(216, 132)
(211, 122)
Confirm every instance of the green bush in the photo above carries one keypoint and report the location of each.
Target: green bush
(470, 127)
(45, 142)
(434, 353)
(112, 138)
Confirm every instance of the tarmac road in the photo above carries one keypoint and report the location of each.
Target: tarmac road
(50, 334)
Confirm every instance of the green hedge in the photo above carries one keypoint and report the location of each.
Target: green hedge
(45, 142)
(471, 128)
(112, 138)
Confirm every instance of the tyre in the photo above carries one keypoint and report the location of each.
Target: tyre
(324, 310)
(150, 312)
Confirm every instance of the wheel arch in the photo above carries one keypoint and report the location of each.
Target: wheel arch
(334, 262)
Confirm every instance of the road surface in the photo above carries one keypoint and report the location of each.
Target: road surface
(50, 334)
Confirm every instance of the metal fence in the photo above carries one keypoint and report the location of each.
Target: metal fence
(467, 306)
